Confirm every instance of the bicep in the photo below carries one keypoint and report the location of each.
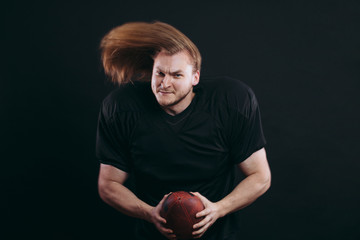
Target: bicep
(256, 163)
(109, 173)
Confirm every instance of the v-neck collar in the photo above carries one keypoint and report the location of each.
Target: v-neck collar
(178, 121)
(173, 120)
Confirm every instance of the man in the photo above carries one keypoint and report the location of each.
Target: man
(173, 132)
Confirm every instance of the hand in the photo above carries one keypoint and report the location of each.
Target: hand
(160, 222)
(210, 213)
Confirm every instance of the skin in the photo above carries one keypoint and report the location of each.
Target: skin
(173, 80)
(172, 83)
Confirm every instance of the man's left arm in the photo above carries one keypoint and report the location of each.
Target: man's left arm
(256, 183)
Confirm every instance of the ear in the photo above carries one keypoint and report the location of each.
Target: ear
(196, 78)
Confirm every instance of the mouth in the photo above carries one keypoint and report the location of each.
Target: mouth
(165, 92)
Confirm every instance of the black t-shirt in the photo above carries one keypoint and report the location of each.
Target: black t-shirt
(196, 150)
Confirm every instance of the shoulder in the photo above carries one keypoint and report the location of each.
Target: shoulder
(132, 97)
(231, 92)
(225, 85)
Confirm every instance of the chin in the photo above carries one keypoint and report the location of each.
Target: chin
(165, 103)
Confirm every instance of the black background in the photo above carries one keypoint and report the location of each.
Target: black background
(300, 57)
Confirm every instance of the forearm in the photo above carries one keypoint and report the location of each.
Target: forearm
(246, 192)
(125, 201)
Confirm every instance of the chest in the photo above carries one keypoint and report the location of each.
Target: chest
(194, 148)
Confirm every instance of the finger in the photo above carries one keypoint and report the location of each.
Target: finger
(202, 222)
(164, 197)
(165, 230)
(160, 219)
(198, 236)
(198, 195)
(172, 237)
(203, 199)
(201, 231)
(168, 233)
(203, 213)
(159, 206)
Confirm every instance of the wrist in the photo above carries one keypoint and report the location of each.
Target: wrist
(221, 209)
(147, 213)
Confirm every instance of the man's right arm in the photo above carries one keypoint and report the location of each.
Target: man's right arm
(113, 192)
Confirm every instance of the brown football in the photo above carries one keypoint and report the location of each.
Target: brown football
(179, 210)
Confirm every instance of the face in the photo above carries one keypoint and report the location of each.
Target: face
(172, 81)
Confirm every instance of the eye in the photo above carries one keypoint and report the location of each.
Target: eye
(178, 75)
(159, 73)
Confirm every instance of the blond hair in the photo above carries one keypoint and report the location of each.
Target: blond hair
(127, 51)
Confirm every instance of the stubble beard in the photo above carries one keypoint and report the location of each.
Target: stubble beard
(177, 100)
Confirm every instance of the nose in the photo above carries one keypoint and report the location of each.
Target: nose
(166, 82)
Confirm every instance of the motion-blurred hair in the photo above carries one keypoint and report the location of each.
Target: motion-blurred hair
(127, 51)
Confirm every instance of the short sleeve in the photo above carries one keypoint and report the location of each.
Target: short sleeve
(112, 145)
(247, 133)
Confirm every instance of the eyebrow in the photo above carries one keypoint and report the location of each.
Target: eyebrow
(171, 73)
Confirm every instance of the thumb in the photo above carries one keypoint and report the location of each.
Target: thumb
(164, 197)
(203, 199)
